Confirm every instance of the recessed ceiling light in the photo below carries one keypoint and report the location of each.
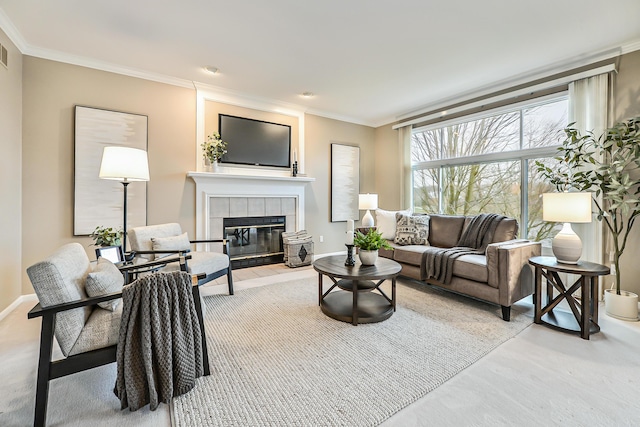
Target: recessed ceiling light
(211, 69)
(307, 94)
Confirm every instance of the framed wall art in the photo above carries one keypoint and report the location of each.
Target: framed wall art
(345, 182)
(99, 202)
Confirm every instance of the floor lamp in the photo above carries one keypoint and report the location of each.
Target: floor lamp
(124, 164)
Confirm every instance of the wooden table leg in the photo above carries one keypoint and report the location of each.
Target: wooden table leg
(393, 293)
(319, 288)
(586, 307)
(354, 290)
(537, 296)
(595, 297)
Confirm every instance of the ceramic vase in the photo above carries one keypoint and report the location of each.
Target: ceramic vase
(368, 257)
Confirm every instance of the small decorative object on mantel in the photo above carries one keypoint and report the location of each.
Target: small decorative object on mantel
(213, 150)
(369, 244)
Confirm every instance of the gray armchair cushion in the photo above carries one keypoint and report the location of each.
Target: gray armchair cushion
(171, 243)
(61, 278)
(202, 262)
(105, 279)
(101, 330)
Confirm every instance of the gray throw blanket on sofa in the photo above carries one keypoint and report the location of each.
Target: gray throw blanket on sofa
(159, 353)
(474, 240)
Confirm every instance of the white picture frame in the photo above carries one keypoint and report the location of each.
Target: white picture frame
(345, 182)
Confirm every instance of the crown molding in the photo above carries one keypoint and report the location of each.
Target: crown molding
(12, 32)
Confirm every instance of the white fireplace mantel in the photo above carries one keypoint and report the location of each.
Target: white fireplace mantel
(210, 185)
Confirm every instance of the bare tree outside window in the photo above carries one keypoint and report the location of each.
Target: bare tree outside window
(473, 184)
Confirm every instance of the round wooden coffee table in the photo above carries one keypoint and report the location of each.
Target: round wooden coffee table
(359, 298)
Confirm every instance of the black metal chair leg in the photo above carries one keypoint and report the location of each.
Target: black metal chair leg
(230, 280)
(44, 369)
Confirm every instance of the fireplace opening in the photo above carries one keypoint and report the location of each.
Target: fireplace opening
(254, 241)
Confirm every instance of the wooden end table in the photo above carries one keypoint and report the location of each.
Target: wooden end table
(355, 302)
(583, 317)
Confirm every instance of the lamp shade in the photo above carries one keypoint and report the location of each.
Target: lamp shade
(124, 164)
(566, 207)
(367, 201)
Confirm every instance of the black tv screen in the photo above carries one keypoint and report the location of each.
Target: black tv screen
(254, 142)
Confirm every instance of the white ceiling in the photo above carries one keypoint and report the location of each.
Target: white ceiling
(367, 61)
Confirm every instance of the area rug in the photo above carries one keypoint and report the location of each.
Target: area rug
(277, 360)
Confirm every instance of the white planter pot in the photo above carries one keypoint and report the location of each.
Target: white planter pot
(368, 257)
(623, 306)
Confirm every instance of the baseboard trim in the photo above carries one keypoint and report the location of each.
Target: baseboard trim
(16, 303)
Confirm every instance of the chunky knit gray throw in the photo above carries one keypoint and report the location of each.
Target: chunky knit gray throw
(474, 240)
(159, 352)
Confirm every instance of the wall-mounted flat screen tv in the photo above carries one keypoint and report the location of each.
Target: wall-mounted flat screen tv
(254, 142)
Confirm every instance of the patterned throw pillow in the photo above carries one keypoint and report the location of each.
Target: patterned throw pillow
(386, 222)
(104, 279)
(412, 229)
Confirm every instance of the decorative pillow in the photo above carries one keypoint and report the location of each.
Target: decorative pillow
(172, 243)
(386, 222)
(104, 279)
(412, 229)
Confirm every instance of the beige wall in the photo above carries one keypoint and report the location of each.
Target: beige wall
(627, 105)
(51, 89)
(388, 181)
(319, 134)
(10, 172)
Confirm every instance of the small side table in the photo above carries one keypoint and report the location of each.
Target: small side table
(583, 317)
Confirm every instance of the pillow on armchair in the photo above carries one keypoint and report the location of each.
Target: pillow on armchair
(104, 279)
(171, 243)
(412, 229)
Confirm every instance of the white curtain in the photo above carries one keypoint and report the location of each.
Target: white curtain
(404, 142)
(588, 108)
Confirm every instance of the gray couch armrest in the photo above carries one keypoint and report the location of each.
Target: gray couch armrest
(509, 270)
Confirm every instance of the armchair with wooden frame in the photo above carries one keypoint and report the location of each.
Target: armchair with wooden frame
(87, 334)
(153, 241)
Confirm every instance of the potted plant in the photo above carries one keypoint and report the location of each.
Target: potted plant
(369, 244)
(214, 148)
(106, 236)
(608, 166)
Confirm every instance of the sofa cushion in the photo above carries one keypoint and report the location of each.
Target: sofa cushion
(445, 230)
(105, 279)
(410, 254)
(386, 222)
(412, 229)
(506, 230)
(472, 267)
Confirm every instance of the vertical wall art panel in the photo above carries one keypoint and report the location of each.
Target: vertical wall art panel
(345, 182)
(100, 201)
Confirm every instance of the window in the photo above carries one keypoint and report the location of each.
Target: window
(487, 163)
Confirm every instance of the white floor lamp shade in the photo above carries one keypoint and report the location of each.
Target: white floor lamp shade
(567, 208)
(367, 201)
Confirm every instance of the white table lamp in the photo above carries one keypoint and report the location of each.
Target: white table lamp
(367, 201)
(124, 164)
(567, 208)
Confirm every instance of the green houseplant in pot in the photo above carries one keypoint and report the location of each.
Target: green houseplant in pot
(106, 236)
(369, 244)
(609, 167)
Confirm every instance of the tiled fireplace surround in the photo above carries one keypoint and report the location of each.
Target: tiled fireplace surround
(225, 195)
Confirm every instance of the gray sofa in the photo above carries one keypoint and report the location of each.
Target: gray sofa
(501, 275)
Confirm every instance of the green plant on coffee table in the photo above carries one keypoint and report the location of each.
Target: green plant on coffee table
(372, 241)
(106, 236)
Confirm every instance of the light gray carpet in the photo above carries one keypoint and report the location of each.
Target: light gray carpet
(278, 360)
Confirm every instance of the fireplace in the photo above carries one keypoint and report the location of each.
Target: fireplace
(254, 240)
